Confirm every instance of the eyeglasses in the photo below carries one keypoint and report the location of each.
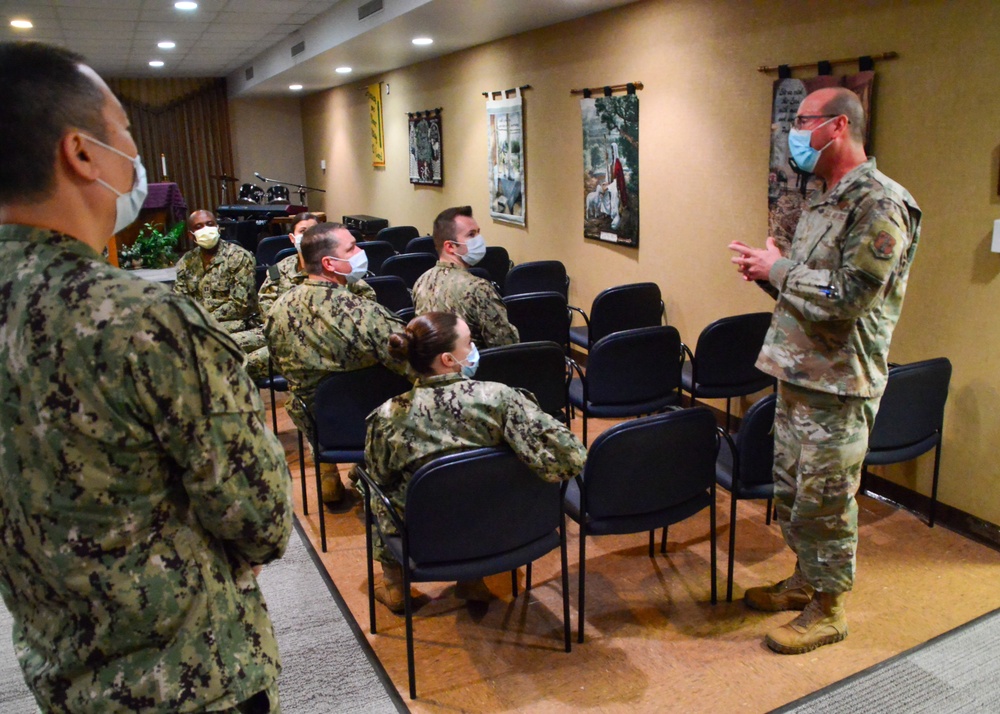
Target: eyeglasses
(802, 119)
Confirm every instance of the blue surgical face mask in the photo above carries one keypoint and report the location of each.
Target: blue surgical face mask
(803, 156)
(359, 267)
(475, 250)
(127, 205)
(470, 364)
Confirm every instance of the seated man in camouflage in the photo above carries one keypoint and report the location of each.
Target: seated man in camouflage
(288, 272)
(219, 275)
(328, 323)
(450, 287)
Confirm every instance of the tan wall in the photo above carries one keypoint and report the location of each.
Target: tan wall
(704, 137)
(267, 138)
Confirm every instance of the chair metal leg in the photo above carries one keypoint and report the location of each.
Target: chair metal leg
(565, 584)
(527, 577)
(408, 607)
(302, 473)
(732, 546)
(729, 416)
(714, 539)
(663, 541)
(770, 507)
(369, 548)
(583, 579)
(652, 542)
(319, 500)
(274, 408)
(583, 413)
(513, 582)
(934, 483)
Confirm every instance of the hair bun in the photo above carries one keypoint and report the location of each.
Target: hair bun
(399, 344)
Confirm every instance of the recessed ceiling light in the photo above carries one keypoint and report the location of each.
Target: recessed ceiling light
(295, 87)
(186, 5)
(21, 24)
(156, 63)
(423, 41)
(166, 45)
(343, 70)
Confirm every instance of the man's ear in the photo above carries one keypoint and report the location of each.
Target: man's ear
(75, 153)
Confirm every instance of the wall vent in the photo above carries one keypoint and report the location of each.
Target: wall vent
(298, 48)
(369, 8)
(249, 73)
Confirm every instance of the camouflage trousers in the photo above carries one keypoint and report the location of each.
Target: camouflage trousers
(263, 702)
(253, 343)
(820, 442)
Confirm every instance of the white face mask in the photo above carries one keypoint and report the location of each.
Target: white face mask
(359, 267)
(475, 249)
(127, 205)
(207, 237)
(297, 240)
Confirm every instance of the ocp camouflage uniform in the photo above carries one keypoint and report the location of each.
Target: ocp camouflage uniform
(840, 292)
(227, 289)
(450, 288)
(318, 328)
(138, 487)
(449, 413)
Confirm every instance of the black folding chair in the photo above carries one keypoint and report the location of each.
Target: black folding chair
(623, 307)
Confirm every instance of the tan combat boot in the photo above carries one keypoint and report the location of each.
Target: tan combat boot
(473, 590)
(822, 623)
(331, 487)
(389, 590)
(792, 593)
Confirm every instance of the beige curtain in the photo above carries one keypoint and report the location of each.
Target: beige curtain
(187, 121)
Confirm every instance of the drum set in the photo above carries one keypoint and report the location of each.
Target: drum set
(276, 194)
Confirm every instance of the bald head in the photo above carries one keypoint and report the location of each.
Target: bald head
(199, 219)
(837, 101)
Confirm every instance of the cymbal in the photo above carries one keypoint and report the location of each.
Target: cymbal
(223, 177)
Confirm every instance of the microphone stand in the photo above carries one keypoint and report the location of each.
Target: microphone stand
(300, 189)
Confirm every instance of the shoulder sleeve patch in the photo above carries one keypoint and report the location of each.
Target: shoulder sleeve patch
(883, 245)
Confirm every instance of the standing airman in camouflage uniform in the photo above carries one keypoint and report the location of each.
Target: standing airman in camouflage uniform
(219, 275)
(450, 287)
(839, 291)
(447, 412)
(139, 486)
(328, 323)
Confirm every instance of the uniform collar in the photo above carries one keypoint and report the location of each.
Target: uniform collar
(15, 233)
(861, 172)
(439, 380)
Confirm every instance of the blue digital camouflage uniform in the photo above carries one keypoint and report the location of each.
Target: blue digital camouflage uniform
(318, 328)
(138, 485)
(840, 292)
(450, 288)
(227, 289)
(446, 414)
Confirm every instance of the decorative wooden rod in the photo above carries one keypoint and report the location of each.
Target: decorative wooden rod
(614, 88)
(846, 60)
(505, 92)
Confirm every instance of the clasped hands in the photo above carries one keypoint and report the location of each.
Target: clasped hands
(754, 263)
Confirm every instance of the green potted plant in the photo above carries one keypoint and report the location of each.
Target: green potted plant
(152, 249)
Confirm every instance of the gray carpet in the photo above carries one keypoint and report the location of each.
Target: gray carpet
(328, 665)
(958, 671)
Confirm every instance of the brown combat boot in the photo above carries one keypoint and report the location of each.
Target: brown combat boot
(331, 487)
(792, 593)
(822, 623)
(389, 590)
(473, 590)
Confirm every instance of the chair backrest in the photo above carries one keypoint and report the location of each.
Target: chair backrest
(537, 276)
(477, 504)
(496, 262)
(391, 292)
(284, 253)
(539, 367)
(726, 352)
(345, 399)
(650, 464)
(634, 366)
(397, 236)
(268, 248)
(260, 275)
(912, 407)
(409, 266)
(625, 307)
(421, 244)
(358, 235)
(377, 251)
(755, 443)
(539, 316)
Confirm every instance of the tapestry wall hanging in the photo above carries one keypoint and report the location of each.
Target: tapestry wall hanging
(506, 158)
(378, 134)
(426, 166)
(611, 168)
(788, 190)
